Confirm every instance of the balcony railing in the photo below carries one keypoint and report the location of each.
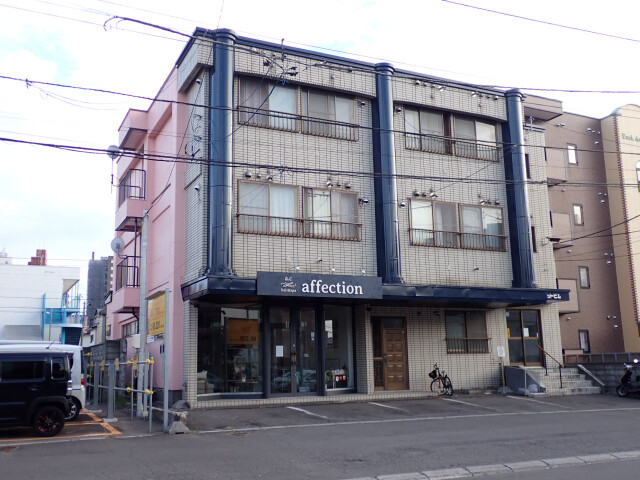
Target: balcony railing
(297, 123)
(128, 272)
(467, 345)
(298, 227)
(133, 185)
(446, 145)
(453, 239)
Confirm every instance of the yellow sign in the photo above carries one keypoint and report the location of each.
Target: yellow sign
(155, 315)
(242, 332)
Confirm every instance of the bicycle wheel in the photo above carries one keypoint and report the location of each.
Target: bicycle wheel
(436, 386)
(447, 386)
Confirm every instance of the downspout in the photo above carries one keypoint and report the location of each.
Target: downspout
(517, 198)
(220, 154)
(385, 182)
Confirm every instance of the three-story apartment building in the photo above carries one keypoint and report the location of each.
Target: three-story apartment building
(335, 226)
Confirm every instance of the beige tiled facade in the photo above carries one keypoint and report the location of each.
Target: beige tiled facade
(311, 161)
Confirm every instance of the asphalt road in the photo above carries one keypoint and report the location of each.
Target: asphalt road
(343, 441)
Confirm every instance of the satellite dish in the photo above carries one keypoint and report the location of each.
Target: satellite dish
(117, 245)
(113, 152)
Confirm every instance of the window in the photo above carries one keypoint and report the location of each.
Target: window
(433, 224)
(585, 344)
(638, 174)
(585, 282)
(331, 214)
(130, 329)
(481, 228)
(267, 208)
(58, 370)
(267, 104)
(436, 224)
(328, 115)
(22, 370)
(426, 130)
(478, 138)
(466, 332)
(527, 165)
(572, 154)
(578, 218)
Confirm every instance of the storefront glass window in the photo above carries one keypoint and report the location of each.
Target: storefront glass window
(229, 358)
(338, 347)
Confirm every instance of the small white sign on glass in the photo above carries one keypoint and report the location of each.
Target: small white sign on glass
(279, 351)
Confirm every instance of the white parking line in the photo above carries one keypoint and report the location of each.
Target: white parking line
(469, 403)
(308, 413)
(388, 406)
(411, 419)
(537, 401)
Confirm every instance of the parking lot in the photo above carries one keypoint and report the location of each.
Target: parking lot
(87, 425)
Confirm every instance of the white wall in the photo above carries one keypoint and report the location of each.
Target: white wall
(22, 287)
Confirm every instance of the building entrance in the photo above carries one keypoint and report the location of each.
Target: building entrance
(390, 354)
(523, 330)
(294, 359)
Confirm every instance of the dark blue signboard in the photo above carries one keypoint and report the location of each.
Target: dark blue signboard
(316, 285)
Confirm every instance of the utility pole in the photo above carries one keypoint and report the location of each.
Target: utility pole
(142, 318)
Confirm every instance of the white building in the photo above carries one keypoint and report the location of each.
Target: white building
(39, 302)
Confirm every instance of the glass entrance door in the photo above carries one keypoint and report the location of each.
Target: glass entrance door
(294, 356)
(523, 330)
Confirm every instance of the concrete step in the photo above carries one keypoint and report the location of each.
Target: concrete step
(552, 392)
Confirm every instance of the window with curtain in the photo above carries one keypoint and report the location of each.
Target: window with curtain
(477, 138)
(328, 114)
(466, 332)
(267, 104)
(330, 214)
(426, 130)
(433, 224)
(481, 227)
(267, 208)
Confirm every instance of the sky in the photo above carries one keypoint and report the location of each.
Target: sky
(64, 201)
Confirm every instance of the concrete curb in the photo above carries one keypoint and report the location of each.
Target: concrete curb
(479, 470)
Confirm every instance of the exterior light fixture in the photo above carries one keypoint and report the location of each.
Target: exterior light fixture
(247, 174)
(347, 185)
(363, 201)
(402, 204)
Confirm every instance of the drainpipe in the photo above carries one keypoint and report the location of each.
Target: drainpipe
(220, 154)
(385, 183)
(517, 198)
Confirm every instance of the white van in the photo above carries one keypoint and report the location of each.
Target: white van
(78, 394)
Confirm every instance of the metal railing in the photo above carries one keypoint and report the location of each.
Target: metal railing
(133, 185)
(446, 145)
(298, 227)
(128, 272)
(546, 366)
(467, 345)
(454, 239)
(609, 357)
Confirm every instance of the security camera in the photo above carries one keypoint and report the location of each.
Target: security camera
(197, 188)
(198, 81)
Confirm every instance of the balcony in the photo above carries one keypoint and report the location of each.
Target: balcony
(131, 196)
(126, 298)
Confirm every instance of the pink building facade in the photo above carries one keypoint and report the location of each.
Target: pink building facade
(148, 183)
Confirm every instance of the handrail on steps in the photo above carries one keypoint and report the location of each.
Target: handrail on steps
(546, 370)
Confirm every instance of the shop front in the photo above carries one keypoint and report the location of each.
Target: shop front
(296, 337)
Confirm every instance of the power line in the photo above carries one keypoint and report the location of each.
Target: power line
(295, 169)
(544, 22)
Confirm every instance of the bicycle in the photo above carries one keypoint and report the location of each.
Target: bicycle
(440, 383)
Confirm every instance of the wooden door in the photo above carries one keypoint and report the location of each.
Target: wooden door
(394, 352)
